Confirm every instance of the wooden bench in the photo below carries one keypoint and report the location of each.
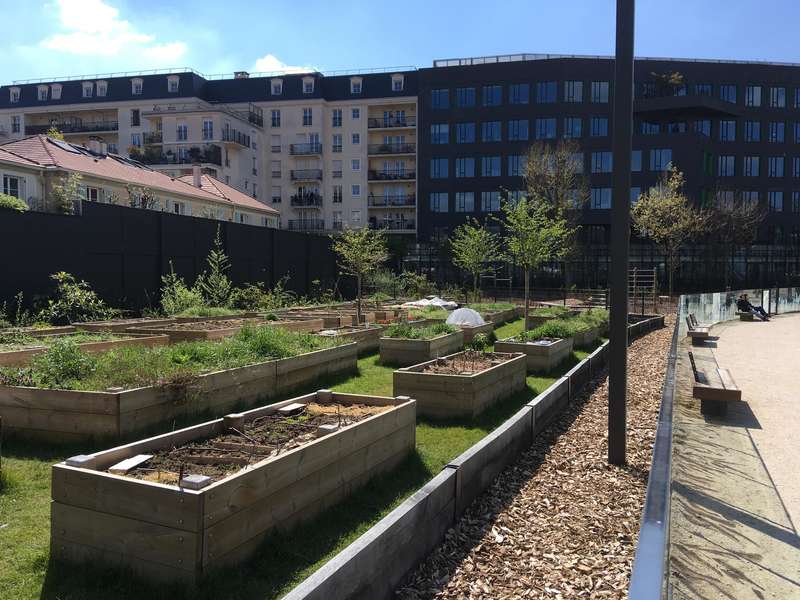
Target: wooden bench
(745, 316)
(713, 386)
(698, 333)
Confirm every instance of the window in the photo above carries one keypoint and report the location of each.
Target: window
(600, 92)
(660, 159)
(308, 85)
(490, 201)
(440, 99)
(275, 118)
(355, 113)
(275, 143)
(600, 198)
(518, 130)
(439, 168)
(702, 89)
(797, 97)
(337, 142)
(752, 95)
(465, 97)
(355, 164)
(208, 129)
(636, 160)
(397, 83)
(601, 162)
(573, 91)
(355, 215)
(490, 166)
(137, 87)
(577, 162)
(440, 133)
(336, 173)
(635, 193)
(355, 190)
(775, 201)
(797, 133)
(356, 139)
(337, 194)
(181, 132)
(752, 131)
(136, 140)
(650, 128)
(777, 97)
(16, 123)
(102, 89)
(727, 93)
(546, 128)
(465, 201)
(355, 85)
(492, 95)
(275, 195)
(775, 166)
(88, 89)
(572, 127)
(439, 202)
(465, 167)
(276, 87)
(750, 197)
(519, 93)
(173, 81)
(135, 117)
(336, 117)
(598, 127)
(796, 202)
(751, 166)
(490, 131)
(13, 95)
(726, 166)
(546, 92)
(777, 131)
(465, 133)
(43, 93)
(676, 127)
(11, 186)
(727, 131)
(275, 168)
(516, 165)
(308, 118)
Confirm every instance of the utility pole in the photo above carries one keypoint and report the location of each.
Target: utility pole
(620, 232)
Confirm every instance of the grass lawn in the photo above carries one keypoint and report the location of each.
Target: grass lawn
(25, 571)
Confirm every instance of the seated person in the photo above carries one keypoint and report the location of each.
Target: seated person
(743, 304)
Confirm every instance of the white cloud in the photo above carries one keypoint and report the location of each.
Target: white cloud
(270, 62)
(94, 28)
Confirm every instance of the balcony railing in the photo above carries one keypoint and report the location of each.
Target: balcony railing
(392, 200)
(210, 154)
(306, 174)
(336, 174)
(306, 224)
(235, 136)
(153, 137)
(306, 200)
(402, 225)
(391, 175)
(305, 149)
(399, 148)
(387, 122)
(90, 127)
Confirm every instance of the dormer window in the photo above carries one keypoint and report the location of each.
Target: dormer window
(43, 92)
(173, 81)
(397, 83)
(276, 86)
(355, 85)
(88, 89)
(136, 86)
(102, 88)
(14, 95)
(308, 85)
(55, 91)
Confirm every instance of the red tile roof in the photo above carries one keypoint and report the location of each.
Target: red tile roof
(40, 151)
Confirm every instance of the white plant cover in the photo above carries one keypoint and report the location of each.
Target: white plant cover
(435, 301)
(465, 316)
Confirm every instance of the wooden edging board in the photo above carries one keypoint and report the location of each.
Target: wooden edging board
(375, 564)
(19, 358)
(404, 352)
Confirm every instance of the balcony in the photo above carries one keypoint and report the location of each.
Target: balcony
(67, 128)
(306, 174)
(404, 225)
(153, 137)
(233, 136)
(391, 122)
(305, 149)
(392, 201)
(306, 200)
(306, 224)
(209, 154)
(391, 175)
(399, 148)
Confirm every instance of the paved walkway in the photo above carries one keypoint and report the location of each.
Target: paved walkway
(736, 479)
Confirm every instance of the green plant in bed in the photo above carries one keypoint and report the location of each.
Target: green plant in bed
(409, 332)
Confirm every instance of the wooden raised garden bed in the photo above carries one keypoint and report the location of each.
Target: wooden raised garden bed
(584, 339)
(463, 384)
(235, 490)
(45, 331)
(471, 331)
(123, 325)
(366, 336)
(23, 356)
(404, 352)
(543, 355)
(536, 320)
(498, 317)
(68, 415)
(222, 328)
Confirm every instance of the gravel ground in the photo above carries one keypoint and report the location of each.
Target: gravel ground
(561, 522)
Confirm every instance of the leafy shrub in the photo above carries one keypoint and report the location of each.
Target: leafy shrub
(595, 317)
(12, 203)
(409, 332)
(249, 297)
(176, 296)
(62, 364)
(479, 343)
(551, 311)
(207, 311)
(75, 302)
(557, 328)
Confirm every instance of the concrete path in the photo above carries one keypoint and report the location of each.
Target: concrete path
(736, 479)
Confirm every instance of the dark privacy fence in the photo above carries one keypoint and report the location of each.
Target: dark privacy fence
(123, 252)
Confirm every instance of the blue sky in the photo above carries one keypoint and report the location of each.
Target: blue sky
(73, 37)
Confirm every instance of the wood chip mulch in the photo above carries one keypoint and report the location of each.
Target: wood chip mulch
(561, 522)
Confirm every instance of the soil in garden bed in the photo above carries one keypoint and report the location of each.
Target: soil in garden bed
(263, 437)
(466, 363)
(11, 341)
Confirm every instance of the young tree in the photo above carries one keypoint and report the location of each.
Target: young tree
(735, 223)
(665, 215)
(215, 284)
(360, 252)
(67, 192)
(474, 247)
(534, 234)
(142, 197)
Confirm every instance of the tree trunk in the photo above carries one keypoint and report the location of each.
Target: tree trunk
(358, 300)
(527, 287)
